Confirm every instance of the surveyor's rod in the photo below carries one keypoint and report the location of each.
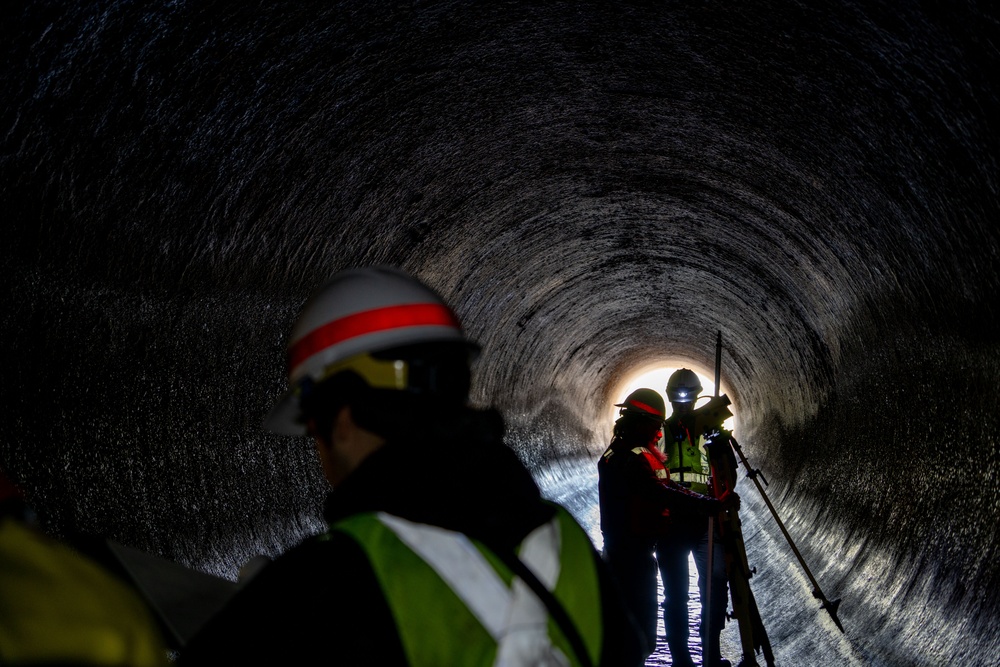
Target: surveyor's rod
(711, 519)
(831, 607)
(718, 362)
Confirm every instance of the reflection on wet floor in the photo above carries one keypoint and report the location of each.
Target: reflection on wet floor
(730, 634)
(799, 632)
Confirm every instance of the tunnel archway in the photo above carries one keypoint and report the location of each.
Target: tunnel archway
(587, 185)
(655, 375)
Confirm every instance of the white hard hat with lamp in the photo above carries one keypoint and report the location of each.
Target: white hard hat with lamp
(356, 313)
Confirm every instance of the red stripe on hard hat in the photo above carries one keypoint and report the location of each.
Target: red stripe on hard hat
(370, 321)
(648, 408)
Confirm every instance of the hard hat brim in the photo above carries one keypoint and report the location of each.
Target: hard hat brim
(285, 417)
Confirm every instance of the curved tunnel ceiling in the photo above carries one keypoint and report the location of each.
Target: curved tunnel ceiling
(595, 189)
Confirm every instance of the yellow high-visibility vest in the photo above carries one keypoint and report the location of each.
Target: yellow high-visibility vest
(687, 461)
(456, 603)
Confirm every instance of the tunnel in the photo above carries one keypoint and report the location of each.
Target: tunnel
(596, 188)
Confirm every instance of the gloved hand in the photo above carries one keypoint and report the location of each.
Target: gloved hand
(729, 500)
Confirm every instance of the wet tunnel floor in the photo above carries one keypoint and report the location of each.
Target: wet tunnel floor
(799, 633)
(730, 635)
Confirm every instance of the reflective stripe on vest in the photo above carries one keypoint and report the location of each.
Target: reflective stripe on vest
(475, 611)
(688, 462)
(654, 462)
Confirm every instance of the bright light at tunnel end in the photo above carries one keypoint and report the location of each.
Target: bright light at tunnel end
(655, 376)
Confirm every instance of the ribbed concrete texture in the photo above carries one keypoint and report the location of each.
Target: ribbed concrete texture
(594, 186)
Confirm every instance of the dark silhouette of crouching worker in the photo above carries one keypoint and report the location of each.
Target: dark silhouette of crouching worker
(440, 550)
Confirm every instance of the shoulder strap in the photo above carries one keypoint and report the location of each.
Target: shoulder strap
(446, 563)
(550, 601)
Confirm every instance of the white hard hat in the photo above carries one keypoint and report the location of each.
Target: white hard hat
(356, 313)
(683, 386)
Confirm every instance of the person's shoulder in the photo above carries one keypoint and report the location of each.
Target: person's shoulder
(619, 451)
(306, 570)
(324, 582)
(330, 549)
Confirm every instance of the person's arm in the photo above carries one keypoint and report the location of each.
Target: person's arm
(666, 493)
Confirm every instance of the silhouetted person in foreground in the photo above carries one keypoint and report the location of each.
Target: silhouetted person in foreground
(637, 502)
(440, 550)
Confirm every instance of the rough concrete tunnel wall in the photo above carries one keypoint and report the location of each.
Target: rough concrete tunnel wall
(592, 188)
